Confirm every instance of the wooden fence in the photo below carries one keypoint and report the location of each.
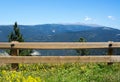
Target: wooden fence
(15, 46)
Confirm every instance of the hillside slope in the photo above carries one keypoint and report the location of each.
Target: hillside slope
(60, 33)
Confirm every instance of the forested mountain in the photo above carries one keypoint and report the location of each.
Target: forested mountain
(61, 32)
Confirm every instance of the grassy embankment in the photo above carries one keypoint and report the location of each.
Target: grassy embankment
(73, 72)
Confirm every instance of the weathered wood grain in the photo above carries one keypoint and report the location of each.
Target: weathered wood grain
(57, 59)
(59, 45)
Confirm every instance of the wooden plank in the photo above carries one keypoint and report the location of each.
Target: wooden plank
(58, 59)
(116, 44)
(110, 52)
(5, 45)
(58, 45)
(14, 52)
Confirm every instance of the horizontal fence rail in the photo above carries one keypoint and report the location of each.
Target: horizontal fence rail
(59, 45)
(58, 59)
(15, 58)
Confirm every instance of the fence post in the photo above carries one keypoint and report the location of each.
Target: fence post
(14, 52)
(110, 51)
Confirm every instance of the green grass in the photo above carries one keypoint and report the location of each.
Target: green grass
(71, 72)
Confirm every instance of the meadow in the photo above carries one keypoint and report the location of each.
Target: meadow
(69, 72)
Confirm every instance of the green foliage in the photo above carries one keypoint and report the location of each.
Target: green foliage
(25, 52)
(69, 72)
(82, 52)
(16, 35)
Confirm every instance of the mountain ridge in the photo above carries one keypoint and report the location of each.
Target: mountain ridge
(54, 32)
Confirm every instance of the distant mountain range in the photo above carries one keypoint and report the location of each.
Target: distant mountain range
(62, 33)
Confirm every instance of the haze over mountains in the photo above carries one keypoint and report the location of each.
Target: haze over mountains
(62, 33)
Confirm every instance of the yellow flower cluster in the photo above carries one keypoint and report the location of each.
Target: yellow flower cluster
(13, 76)
(83, 68)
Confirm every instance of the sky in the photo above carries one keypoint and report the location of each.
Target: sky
(32, 12)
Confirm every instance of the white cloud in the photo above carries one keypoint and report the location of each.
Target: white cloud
(111, 17)
(87, 18)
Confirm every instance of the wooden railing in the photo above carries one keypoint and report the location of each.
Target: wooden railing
(58, 45)
(15, 46)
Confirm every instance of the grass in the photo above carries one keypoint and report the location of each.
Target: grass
(70, 72)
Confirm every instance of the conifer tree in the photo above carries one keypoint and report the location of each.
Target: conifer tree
(82, 52)
(16, 35)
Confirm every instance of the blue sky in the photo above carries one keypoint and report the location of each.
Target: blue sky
(31, 12)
